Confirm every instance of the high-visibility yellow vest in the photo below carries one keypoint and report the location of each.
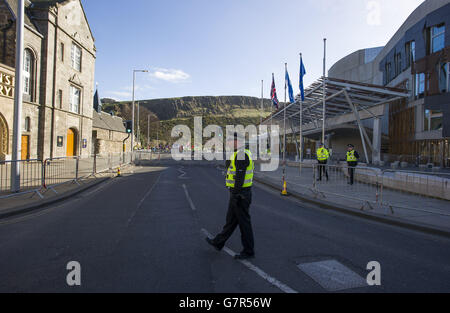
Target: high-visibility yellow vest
(231, 173)
(351, 156)
(322, 154)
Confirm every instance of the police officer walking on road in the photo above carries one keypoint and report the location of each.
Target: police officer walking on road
(352, 162)
(239, 181)
(322, 157)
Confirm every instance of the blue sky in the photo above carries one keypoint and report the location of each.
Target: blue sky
(217, 47)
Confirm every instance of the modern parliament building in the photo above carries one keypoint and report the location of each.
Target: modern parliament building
(59, 67)
(417, 58)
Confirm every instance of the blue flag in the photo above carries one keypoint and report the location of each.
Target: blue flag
(302, 74)
(290, 89)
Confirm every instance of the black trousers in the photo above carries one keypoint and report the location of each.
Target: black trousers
(238, 215)
(351, 171)
(322, 168)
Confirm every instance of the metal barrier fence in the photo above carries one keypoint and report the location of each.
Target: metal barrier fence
(430, 191)
(388, 191)
(37, 176)
(365, 186)
(30, 180)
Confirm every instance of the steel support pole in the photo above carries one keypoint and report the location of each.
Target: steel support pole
(138, 124)
(262, 102)
(361, 131)
(132, 117)
(324, 88)
(284, 117)
(148, 131)
(18, 97)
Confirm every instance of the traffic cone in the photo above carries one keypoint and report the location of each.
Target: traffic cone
(284, 192)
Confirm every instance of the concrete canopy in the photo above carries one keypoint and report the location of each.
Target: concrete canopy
(345, 102)
(365, 97)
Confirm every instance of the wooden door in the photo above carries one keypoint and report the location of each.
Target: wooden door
(70, 143)
(25, 147)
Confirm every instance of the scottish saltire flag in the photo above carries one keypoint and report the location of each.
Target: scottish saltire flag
(274, 94)
(290, 89)
(302, 74)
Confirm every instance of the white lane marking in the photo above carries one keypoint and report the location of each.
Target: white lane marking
(283, 287)
(183, 173)
(189, 198)
(142, 201)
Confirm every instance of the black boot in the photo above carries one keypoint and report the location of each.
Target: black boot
(244, 256)
(212, 243)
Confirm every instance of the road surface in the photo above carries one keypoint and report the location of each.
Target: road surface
(145, 233)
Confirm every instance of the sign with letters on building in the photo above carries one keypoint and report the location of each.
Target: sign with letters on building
(84, 143)
(6, 85)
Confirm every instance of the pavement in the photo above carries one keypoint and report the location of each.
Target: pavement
(13, 204)
(145, 233)
(411, 209)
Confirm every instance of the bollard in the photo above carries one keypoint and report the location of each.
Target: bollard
(284, 192)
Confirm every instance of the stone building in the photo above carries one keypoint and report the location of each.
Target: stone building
(109, 134)
(59, 67)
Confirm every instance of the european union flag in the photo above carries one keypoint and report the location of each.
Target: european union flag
(290, 89)
(302, 74)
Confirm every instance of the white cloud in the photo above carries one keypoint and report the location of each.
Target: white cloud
(119, 95)
(170, 75)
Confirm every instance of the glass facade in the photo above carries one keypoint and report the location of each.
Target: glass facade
(437, 38)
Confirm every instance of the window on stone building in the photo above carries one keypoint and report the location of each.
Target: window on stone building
(61, 52)
(27, 125)
(28, 70)
(76, 57)
(437, 38)
(75, 99)
(60, 98)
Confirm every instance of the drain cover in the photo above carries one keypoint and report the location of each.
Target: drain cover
(332, 275)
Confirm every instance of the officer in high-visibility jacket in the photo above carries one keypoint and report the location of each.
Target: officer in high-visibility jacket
(352, 162)
(239, 181)
(322, 157)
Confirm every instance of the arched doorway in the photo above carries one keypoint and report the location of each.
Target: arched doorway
(3, 138)
(72, 140)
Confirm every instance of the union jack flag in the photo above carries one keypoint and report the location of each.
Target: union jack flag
(274, 94)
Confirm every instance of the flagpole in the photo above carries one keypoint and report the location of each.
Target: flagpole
(284, 192)
(301, 118)
(271, 107)
(262, 102)
(324, 88)
(284, 115)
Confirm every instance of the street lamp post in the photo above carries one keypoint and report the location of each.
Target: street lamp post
(138, 126)
(133, 122)
(18, 97)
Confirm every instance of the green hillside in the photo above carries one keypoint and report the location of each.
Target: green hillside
(167, 113)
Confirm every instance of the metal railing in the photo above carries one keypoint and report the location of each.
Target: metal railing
(388, 191)
(430, 192)
(39, 176)
(31, 178)
(365, 186)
